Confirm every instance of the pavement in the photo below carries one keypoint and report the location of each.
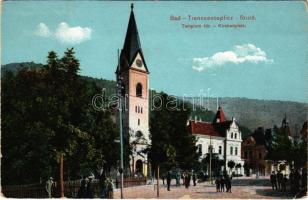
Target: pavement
(242, 188)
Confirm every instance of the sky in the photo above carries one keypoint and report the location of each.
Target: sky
(265, 60)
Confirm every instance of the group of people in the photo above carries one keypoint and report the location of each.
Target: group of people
(222, 182)
(296, 182)
(186, 177)
(86, 189)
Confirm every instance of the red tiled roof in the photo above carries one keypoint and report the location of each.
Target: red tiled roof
(206, 128)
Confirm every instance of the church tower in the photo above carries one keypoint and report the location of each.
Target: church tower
(134, 73)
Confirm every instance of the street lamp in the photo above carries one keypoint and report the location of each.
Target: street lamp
(120, 88)
(211, 150)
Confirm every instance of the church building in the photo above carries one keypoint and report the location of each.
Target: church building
(133, 71)
(223, 135)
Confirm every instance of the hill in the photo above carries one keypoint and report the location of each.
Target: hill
(255, 113)
(14, 67)
(249, 113)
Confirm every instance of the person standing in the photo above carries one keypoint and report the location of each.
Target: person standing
(178, 178)
(189, 178)
(279, 180)
(273, 180)
(186, 180)
(103, 186)
(109, 186)
(49, 185)
(82, 190)
(291, 177)
(222, 184)
(297, 178)
(228, 184)
(304, 180)
(89, 189)
(163, 178)
(194, 178)
(217, 182)
(168, 180)
(284, 183)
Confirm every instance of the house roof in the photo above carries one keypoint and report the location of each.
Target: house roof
(217, 128)
(209, 129)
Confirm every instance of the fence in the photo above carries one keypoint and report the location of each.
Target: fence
(70, 188)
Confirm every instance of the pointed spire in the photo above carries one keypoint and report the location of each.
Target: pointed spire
(131, 46)
(284, 121)
(132, 41)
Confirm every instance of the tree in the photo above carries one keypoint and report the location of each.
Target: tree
(171, 144)
(216, 163)
(48, 111)
(281, 148)
(231, 165)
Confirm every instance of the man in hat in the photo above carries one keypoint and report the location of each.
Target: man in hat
(49, 184)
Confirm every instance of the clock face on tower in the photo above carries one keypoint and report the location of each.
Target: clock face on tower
(139, 63)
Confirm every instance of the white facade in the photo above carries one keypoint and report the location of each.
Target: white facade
(228, 147)
(233, 144)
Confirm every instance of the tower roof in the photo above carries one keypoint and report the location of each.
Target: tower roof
(220, 116)
(132, 44)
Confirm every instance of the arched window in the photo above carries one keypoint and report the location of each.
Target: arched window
(141, 109)
(136, 109)
(139, 90)
(138, 122)
(235, 135)
(231, 150)
(236, 151)
(139, 166)
(220, 150)
(231, 135)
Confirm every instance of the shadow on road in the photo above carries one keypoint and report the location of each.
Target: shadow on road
(273, 193)
(251, 182)
(208, 192)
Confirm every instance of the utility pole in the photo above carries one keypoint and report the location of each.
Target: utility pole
(61, 177)
(211, 160)
(120, 95)
(157, 180)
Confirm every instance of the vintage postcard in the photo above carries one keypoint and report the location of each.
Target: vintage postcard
(154, 99)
